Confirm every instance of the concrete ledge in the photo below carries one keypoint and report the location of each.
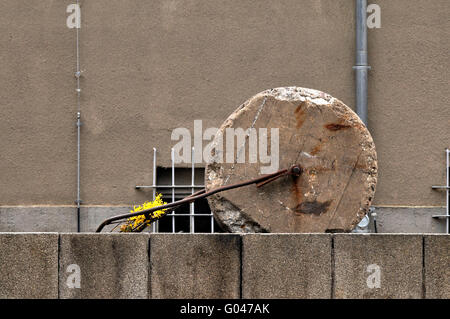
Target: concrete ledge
(412, 220)
(28, 266)
(38, 219)
(195, 266)
(286, 266)
(111, 265)
(56, 218)
(437, 262)
(92, 216)
(64, 219)
(359, 259)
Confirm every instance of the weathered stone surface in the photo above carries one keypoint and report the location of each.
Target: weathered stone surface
(319, 133)
(111, 265)
(38, 219)
(437, 262)
(28, 266)
(191, 266)
(397, 257)
(286, 266)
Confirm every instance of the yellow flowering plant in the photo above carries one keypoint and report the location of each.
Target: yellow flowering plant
(138, 223)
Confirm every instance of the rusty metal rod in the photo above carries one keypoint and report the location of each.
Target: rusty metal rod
(294, 170)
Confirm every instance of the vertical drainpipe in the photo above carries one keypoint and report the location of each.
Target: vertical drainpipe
(78, 200)
(361, 67)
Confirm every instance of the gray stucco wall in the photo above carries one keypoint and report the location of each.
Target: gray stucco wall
(151, 66)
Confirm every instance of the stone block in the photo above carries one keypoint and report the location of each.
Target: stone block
(286, 266)
(108, 265)
(28, 266)
(437, 262)
(192, 266)
(378, 266)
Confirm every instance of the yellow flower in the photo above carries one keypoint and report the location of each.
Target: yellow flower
(137, 223)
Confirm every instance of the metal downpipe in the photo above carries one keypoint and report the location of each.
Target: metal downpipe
(361, 72)
(361, 67)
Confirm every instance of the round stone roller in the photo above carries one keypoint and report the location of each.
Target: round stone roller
(320, 134)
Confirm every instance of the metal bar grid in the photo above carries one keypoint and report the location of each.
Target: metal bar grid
(173, 187)
(447, 192)
(172, 155)
(155, 224)
(192, 207)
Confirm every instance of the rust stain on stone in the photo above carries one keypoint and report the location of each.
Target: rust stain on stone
(363, 166)
(317, 148)
(296, 190)
(336, 126)
(313, 207)
(319, 169)
(300, 114)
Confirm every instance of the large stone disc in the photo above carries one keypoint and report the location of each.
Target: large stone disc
(319, 133)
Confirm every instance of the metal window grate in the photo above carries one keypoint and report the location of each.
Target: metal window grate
(446, 188)
(176, 183)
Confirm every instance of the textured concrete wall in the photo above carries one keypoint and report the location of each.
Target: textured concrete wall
(223, 266)
(151, 66)
(28, 266)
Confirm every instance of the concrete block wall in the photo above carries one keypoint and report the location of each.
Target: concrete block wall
(74, 265)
